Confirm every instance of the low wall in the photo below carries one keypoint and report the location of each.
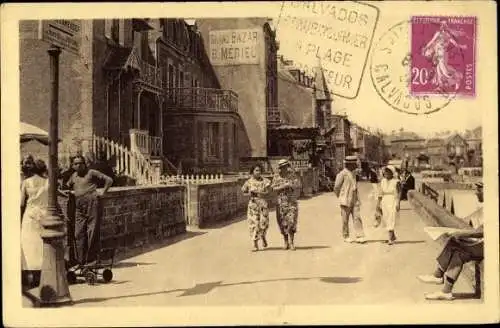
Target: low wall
(210, 203)
(141, 216)
(214, 202)
(435, 215)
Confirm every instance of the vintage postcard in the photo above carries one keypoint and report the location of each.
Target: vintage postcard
(249, 163)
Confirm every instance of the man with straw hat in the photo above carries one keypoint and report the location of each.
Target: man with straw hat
(346, 189)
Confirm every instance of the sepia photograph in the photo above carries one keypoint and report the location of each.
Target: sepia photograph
(302, 162)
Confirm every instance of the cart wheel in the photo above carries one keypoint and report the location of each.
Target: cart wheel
(71, 276)
(90, 277)
(107, 275)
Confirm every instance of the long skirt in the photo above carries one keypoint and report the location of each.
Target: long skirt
(31, 239)
(389, 212)
(287, 214)
(258, 217)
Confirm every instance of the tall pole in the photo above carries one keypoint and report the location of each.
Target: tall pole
(53, 288)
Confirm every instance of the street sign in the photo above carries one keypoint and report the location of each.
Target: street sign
(63, 33)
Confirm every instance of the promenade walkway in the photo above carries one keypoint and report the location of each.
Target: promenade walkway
(216, 266)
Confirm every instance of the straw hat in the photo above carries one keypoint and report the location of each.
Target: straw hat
(283, 162)
(351, 159)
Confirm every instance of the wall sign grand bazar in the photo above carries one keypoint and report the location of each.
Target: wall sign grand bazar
(234, 47)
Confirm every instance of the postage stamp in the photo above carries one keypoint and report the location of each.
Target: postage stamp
(443, 55)
(390, 70)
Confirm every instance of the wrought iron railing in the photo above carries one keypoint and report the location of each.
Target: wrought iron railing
(151, 74)
(202, 99)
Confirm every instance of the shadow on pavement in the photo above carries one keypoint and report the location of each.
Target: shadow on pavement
(145, 249)
(466, 296)
(298, 248)
(222, 224)
(205, 288)
(130, 264)
(397, 242)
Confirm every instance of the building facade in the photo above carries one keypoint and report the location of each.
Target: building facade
(138, 83)
(243, 52)
(342, 140)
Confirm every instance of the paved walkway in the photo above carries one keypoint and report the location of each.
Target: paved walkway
(216, 267)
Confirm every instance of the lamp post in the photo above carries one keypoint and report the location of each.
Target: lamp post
(53, 289)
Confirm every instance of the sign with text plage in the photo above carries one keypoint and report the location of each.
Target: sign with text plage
(62, 33)
(235, 47)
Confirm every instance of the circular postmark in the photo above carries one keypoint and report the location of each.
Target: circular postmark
(390, 70)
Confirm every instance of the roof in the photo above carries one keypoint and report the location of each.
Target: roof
(117, 58)
(321, 91)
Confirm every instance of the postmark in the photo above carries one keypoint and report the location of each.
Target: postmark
(443, 55)
(336, 35)
(390, 74)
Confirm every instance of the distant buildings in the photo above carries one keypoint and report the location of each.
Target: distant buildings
(443, 151)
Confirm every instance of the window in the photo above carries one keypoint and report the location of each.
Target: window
(213, 140)
(181, 79)
(115, 30)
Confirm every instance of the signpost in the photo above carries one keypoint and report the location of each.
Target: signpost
(53, 289)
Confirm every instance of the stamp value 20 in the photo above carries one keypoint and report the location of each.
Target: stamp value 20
(443, 55)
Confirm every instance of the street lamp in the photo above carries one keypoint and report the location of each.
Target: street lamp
(53, 289)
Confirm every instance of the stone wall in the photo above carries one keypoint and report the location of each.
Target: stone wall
(141, 216)
(215, 202)
(211, 203)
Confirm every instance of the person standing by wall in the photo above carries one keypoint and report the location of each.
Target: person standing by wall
(84, 183)
(286, 183)
(346, 189)
(257, 187)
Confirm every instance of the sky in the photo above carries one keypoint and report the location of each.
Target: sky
(367, 108)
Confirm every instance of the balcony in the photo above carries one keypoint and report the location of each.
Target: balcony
(150, 75)
(142, 142)
(202, 99)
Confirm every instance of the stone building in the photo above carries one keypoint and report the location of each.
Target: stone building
(342, 140)
(77, 93)
(407, 146)
(474, 140)
(143, 84)
(304, 130)
(243, 52)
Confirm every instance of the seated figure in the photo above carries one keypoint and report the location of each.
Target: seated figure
(460, 248)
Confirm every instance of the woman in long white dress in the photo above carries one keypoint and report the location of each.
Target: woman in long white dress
(34, 197)
(388, 201)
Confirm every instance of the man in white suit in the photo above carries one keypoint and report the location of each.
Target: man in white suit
(346, 189)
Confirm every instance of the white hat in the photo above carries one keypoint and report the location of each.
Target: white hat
(351, 159)
(392, 168)
(283, 162)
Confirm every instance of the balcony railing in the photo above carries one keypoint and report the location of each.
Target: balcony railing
(202, 99)
(142, 142)
(151, 75)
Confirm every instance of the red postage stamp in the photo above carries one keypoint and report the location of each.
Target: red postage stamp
(443, 55)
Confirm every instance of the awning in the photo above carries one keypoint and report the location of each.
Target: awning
(30, 132)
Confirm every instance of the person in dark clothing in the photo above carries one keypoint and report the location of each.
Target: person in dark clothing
(407, 184)
(84, 182)
(102, 165)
